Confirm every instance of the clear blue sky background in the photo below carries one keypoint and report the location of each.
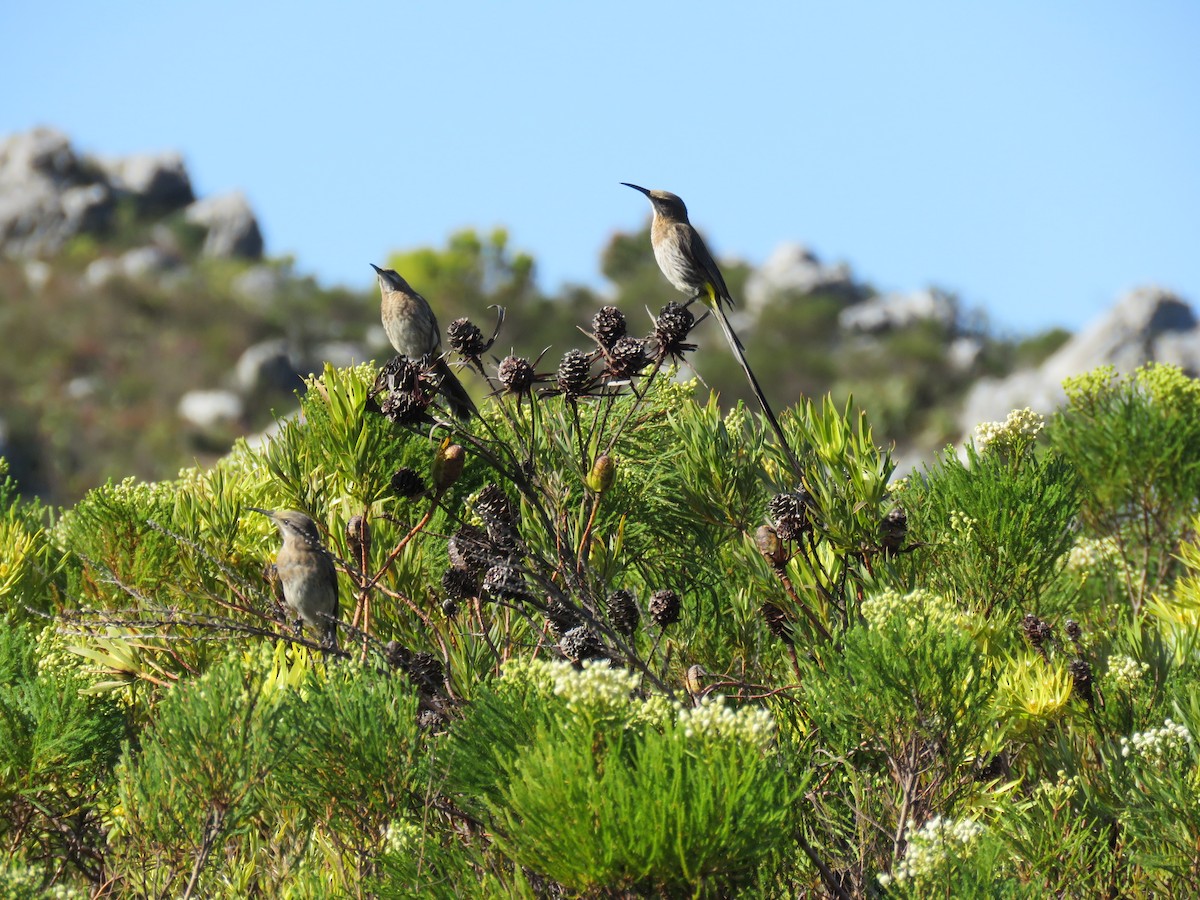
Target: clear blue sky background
(1037, 158)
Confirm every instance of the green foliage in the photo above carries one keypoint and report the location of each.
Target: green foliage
(1135, 440)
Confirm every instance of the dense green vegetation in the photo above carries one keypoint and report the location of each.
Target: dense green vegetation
(610, 639)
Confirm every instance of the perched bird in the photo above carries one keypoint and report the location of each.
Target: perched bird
(413, 330)
(306, 573)
(685, 261)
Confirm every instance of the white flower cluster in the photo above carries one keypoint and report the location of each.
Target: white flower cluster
(1060, 791)
(930, 845)
(401, 836)
(712, 718)
(961, 524)
(596, 686)
(1090, 555)
(1125, 671)
(1158, 745)
(1020, 429)
(916, 606)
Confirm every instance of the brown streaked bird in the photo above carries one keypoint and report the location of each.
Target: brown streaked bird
(306, 573)
(685, 261)
(412, 329)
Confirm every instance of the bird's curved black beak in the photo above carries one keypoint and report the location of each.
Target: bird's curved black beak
(378, 271)
(265, 512)
(636, 188)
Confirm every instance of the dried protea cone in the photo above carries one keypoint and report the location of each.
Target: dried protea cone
(664, 607)
(459, 584)
(448, 464)
(407, 483)
(575, 373)
(791, 513)
(1037, 631)
(465, 338)
(410, 390)
(580, 643)
(623, 612)
(470, 549)
(493, 505)
(608, 326)
(1074, 632)
(627, 357)
(769, 545)
(504, 582)
(602, 475)
(893, 530)
(560, 617)
(671, 329)
(1082, 681)
(778, 622)
(397, 655)
(426, 672)
(516, 374)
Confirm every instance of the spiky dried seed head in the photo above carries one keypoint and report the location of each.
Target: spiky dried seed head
(778, 622)
(1074, 632)
(671, 329)
(609, 326)
(791, 513)
(426, 672)
(1082, 680)
(664, 607)
(893, 530)
(516, 374)
(560, 617)
(623, 611)
(575, 373)
(410, 390)
(580, 643)
(1037, 631)
(407, 483)
(493, 505)
(627, 357)
(470, 549)
(459, 584)
(504, 582)
(465, 338)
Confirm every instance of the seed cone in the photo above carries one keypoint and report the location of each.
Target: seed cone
(580, 643)
(623, 612)
(664, 607)
(671, 329)
(465, 338)
(516, 374)
(627, 357)
(504, 582)
(609, 326)
(575, 373)
(790, 513)
(893, 530)
(407, 483)
(459, 584)
(1082, 681)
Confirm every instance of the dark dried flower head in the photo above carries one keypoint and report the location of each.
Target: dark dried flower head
(426, 672)
(627, 357)
(580, 643)
(465, 338)
(408, 388)
(1037, 631)
(397, 655)
(1074, 632)
(470, 549)
(791, 513)
(560, 617)
(358, 537)
(503, 581)
(516, 374)
(1081, 678)
(609, 326)
(623, 611)
(664, 607)
(893, 530)
(778, 622)
(575, 373)
(671, 329)
(459, 584)
(407, 483)
(493, 505)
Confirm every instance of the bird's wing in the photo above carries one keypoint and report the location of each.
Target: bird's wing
(696, 249)
(436, 343)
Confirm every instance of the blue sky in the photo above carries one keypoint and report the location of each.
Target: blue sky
(1038, 159)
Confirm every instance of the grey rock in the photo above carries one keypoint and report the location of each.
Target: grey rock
(210, 409)
(37, 274)
(267, 366)
(793, 268)
(894, 311)
(101, 271)
(233, 230)
(143, 262)
(259, 287)
(159, 182)
(1146, 325)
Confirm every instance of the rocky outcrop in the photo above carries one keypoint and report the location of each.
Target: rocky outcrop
(49, 193)
(891, 312)
(1147, 325)
(794, 269)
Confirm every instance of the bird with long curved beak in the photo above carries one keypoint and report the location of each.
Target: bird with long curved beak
(306, 573)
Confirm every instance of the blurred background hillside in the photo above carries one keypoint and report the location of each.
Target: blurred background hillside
(941, 208)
